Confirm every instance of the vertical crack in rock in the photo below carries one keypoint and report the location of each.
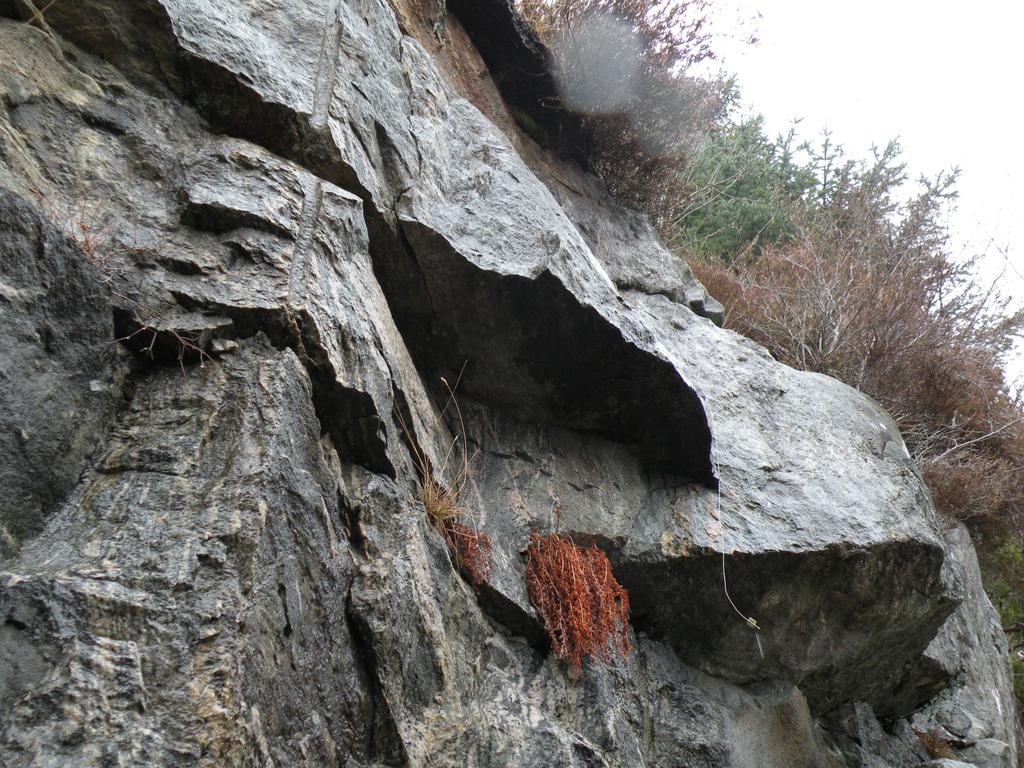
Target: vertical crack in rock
(386, 745)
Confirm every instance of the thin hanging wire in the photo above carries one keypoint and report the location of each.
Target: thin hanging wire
(725, 582)
(750, 621)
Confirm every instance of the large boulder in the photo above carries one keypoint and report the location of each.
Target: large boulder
(305, 227)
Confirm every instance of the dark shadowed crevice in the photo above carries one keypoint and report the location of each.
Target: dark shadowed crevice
(520, 68)
(840, 624)
(348, 415)
(385, 744)
(353, 524)
(500, 608)
(540, 354)
(282, 594)
(218, 219)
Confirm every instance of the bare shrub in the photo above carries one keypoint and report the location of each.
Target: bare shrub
(642, 154)
(867, 293)
(622, 65)
(584, 609)
(675, 31)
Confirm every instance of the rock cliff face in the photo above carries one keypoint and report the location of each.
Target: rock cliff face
(240, 244)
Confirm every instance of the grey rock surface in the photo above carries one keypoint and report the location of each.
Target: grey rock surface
(836, 543)
(862, 741)
(189, 599)
(975, 711)
(60, 382)
(303, 229)
(624, 241)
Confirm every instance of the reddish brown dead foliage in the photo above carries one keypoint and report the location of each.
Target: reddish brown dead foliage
(470, 549)
(584, 609)
(640, 147)
(936, 746)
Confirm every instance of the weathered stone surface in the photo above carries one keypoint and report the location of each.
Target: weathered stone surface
(975, 712)
(623, 240)
(405, 141)
(836, 557)
(60, 381)
(465, 694)
(861, 740)
(186, 604)
(234, 239)
(244, 577)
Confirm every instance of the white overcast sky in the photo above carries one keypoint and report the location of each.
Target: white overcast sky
(944, 78)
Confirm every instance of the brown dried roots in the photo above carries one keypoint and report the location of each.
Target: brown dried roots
(584, 609)
(470, 549)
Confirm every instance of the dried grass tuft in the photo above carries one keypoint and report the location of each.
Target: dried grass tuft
(443, 502)
(469, 548)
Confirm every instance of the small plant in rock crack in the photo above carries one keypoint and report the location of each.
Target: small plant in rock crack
(469, 547)
(89, 227)
(584, 609)
(936, 746)
(147, 322)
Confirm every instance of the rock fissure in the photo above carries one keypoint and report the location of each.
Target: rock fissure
(386, 744)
